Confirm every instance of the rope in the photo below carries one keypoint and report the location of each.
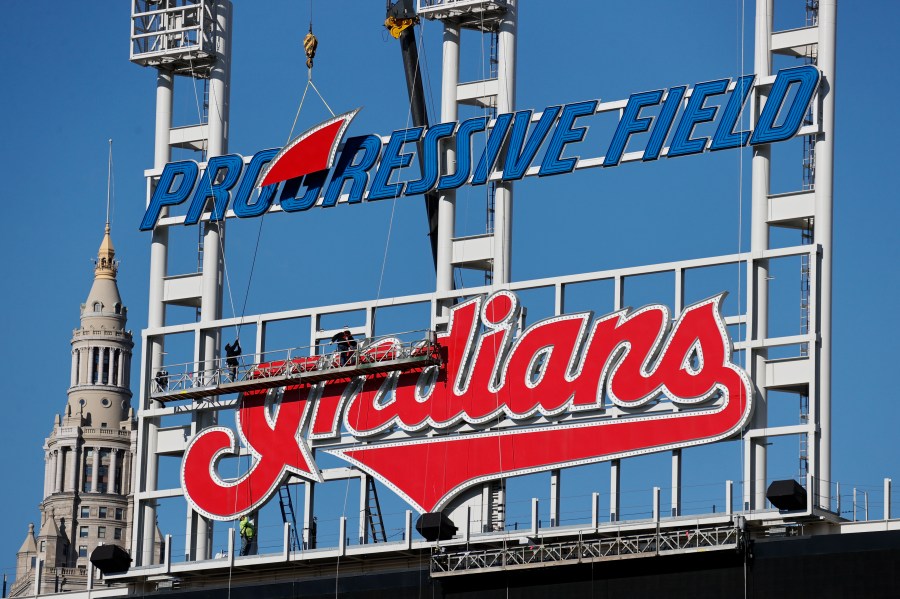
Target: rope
(221, 243)
(310, 43)
(387, 242)
(316, 89)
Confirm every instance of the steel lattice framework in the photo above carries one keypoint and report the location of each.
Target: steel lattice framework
(807, 374)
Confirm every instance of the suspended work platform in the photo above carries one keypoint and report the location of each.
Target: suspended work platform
(291, 367)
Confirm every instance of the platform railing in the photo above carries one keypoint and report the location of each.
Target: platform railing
(249, 371)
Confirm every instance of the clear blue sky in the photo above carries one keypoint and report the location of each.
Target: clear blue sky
(69, 86)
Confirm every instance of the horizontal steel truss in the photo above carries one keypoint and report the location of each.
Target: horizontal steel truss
(558, 283)
(660, 542)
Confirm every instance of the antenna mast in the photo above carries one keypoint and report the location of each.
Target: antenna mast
(108, 181)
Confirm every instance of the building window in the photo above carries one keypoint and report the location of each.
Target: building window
(104, 376)
(95, 358)
(98, 306)
(101, 512)
(101, 532)
(43, 546)
(102, 480)
(88, 475)
(33, 562)
(83, 532)
(117, 534)
(82, 551)
(85, 511)
(118, 513)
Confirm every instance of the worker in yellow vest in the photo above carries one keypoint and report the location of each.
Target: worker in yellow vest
(248, 536)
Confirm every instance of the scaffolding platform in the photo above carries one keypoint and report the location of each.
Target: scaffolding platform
(294, 366)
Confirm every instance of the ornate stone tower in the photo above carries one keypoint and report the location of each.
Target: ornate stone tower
(88, 455)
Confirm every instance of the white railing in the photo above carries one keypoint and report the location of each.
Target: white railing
(293, 362)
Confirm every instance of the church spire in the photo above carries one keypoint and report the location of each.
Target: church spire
(107, 267)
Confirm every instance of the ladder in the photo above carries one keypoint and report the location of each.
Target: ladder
(203, 115)
(287, 515)
(498, 506)
(493, 61)
(807, 236)
(374, 522)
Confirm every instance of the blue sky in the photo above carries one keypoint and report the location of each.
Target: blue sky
(69, 86)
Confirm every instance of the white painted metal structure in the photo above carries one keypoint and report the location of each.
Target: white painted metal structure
(807, 372)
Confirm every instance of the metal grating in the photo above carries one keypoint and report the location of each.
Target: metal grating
(661, 542)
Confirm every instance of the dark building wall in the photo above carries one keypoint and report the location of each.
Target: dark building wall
(858, 565)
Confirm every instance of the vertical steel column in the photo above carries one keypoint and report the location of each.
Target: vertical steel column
(755, 487)
(676, 482)
(447, 200)
(506, 101)
(211, 283)
(614, 482)
(144, 533)
(309, 521)
(363, 508)
(824, 202)
(554, 496)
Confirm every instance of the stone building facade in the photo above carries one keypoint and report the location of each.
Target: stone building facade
(89, 454)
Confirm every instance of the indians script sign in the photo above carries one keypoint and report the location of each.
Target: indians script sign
(499, 404)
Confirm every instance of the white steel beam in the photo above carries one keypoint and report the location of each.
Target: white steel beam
(447, 199)
(506, 102)
(755, 485)
(144, 530)
(824, 182)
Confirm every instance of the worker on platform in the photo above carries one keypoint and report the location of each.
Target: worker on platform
(346, 346)
(162, 380)
(232, 351)
(248, 536)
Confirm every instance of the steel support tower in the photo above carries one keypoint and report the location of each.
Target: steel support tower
(191, 38)
(803, 209)
(492, 250)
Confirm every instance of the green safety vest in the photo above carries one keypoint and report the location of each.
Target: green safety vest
(247, 529)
